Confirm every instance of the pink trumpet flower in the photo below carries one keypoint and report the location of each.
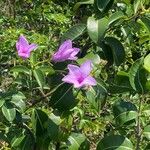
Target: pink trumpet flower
(24, 48)
(80, 76)
(65, 52)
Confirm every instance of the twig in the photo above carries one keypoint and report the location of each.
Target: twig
(138, 127)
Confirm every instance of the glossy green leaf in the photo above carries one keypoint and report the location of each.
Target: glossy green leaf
(9, 111)
(146, 132)
(112, 142)
(22, 69)
(146, 22)
(121, 83)
(104, 5)
(97, 28)
(116, 16)
(27, 143)
(93, 57)
(47, 69)
(78, 142)
(74, 32)
(33, 58)
(134, 75)
(17, 141)
(137, 5)
(124, 112)
(2, 101)
(82, 2)
(45, 128)
(96, 96)
(63, 98)
(39, 76)
(117, 49)
(146, 64)
(39, 120)
(18, 100)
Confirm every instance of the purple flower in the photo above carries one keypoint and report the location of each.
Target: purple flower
(65, 52)
(24, 48)
(80, 76)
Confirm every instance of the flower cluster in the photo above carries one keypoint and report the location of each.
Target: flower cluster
(78, 76)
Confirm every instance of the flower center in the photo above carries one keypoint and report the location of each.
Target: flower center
(80, 79)
(24, 51)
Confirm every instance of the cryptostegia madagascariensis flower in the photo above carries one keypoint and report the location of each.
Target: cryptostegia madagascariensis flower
(80, 76)
(65, 52)
(24, 48)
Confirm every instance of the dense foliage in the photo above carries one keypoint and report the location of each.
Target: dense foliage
(38, 111)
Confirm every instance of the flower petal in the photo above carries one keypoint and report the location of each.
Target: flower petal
(23, 41)
(71, 80)
(32, 46)
(74, 53)
(86, 67)
(59, 57)
(24, 55)
(89, 81)
(74, 70)
(64, 46)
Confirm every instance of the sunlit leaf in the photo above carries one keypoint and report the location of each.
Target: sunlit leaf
(124, 112)
(74, 32)
(82, 2)
(9, 111)
(146, 132)
(97, 28)
(78, 142)
(113, 50)
(104, 5)
(39, 76)
(115, 142)
(22, 69)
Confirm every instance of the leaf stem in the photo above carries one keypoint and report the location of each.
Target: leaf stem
(138, 127)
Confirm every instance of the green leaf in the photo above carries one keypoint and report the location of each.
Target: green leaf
(137, 5)
(146, 22)
(47, 69)
(113, 142)
(134, 76)
(93, 57)
(17, 141)
(63, 98)
(39, 120)
(147, 63)
(17, 99)
(9, 111)
(146, 132)
(27, 143)
(116, 16)
(20, 69)
(97, 28)
(118, 53)
(39, 76)
(96, 96)
(2, 101)
(121, 83)
(124, 112)
(82, 2)
(104, 5)
(147, 147)
(44, 127)
(74, 32)
(78, 142)
(33, 58)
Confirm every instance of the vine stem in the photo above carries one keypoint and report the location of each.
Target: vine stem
(138, 127)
